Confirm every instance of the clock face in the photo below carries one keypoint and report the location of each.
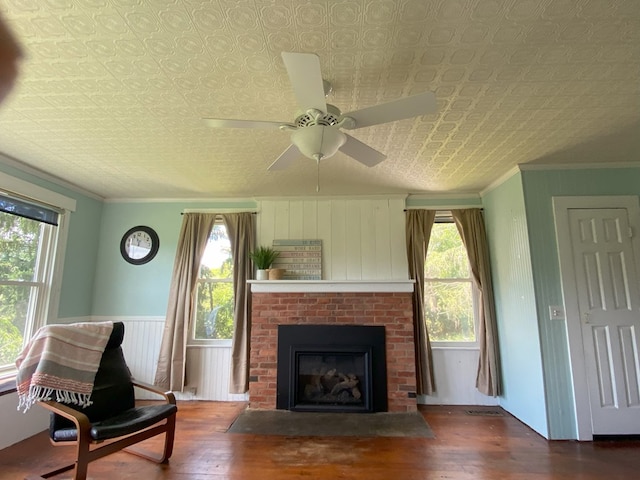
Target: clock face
(139, 245)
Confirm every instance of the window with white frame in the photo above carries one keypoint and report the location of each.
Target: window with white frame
(450, 295)
(28, 241)
(213, 313)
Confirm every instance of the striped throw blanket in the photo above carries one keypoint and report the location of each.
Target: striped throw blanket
(61, 360)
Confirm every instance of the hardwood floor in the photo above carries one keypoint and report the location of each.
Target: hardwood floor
(466, 447)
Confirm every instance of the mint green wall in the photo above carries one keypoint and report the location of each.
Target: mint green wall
(520, 355)
(97, 281)
(539, 187)
(80, 259)
(140, 290)
(82, 247)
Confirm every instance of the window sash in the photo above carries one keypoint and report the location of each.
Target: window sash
(445, 217)
(447, 279)
(51, 250)
(39, 287)
(193, 339)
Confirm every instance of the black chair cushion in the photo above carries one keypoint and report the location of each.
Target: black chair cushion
(129, 421)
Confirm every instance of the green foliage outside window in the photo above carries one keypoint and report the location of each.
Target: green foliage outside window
(19, 240)
(214, 298)
(448, 289)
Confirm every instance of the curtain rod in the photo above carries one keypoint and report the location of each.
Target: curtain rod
(196, 211)
(442, 209)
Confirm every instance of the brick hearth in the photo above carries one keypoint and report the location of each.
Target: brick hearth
(391, 309)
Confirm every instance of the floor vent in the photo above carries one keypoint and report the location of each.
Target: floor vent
(485, 413)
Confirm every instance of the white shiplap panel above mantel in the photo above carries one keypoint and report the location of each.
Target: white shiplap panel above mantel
(330, 286)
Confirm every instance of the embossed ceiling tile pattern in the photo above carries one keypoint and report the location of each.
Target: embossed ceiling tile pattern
(112, 92)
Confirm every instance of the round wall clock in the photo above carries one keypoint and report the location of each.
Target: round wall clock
(139, 245)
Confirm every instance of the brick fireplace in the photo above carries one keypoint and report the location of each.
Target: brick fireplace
(284, 302)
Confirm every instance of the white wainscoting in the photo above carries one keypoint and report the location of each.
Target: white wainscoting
(455, 376)
(362, 239)
(207, 367)
(16, 426)
(208, 370)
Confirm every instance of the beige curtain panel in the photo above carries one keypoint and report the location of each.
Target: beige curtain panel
(241, 231)
(418, 231)
(470, 223)
(194, 234)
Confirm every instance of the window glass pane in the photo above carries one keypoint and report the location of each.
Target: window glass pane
(214, 312)
(448, 300)
(14, 306)
(449, 312)
(19, 239)
(446, 255)
(217, 261)
(214, 297)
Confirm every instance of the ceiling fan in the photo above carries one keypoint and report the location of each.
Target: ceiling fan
(316, 131)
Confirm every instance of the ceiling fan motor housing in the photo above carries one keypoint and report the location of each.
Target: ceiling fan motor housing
(317, 117)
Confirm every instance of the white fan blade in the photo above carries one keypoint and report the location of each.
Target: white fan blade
(285, 159)
(306, 79)
(229, 123)
(361, 152)
(413, 106)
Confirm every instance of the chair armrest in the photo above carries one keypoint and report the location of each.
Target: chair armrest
(168, 396)
(81, 421)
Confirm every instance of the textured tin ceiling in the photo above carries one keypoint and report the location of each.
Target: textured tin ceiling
(112, 92)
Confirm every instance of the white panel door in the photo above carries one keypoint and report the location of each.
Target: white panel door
(609, 309)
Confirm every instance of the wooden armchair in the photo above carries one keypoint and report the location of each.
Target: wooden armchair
(112, 422)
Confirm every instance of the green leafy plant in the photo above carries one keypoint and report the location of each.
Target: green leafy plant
(263, 257)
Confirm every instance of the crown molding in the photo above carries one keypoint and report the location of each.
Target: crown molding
(396, 196)
(23, 167)
(443, 196)
(496, 183)
(576, 166)
(183, 200)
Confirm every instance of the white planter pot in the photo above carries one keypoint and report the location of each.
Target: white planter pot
(262, 275)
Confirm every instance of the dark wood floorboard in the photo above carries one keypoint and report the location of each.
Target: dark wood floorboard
(466, 447)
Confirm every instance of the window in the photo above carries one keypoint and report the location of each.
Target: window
(28, 237)
(214, 295)
(449, 292)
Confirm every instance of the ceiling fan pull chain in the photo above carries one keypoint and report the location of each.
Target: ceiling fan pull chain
(318, 180)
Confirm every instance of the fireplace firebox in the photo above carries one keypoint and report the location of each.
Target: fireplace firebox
(331, 368)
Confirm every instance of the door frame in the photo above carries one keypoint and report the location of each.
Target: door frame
(561, 207)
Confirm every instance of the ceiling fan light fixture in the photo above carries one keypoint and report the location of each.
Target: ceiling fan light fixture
(318, 141)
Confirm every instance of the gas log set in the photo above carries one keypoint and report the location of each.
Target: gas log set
(330, 387)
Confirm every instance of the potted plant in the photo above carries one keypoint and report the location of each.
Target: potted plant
(262, 258)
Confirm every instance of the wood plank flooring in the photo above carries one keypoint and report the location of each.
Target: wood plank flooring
(466, 447)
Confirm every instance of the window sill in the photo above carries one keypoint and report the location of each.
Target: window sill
(7, 385)
(219, 344)
(444, 346)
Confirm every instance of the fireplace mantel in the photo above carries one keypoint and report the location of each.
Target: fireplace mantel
(319, 286)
